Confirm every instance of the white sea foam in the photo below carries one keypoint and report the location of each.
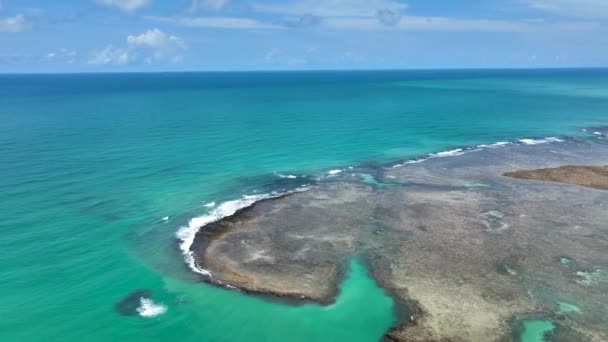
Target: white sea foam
(461, 151)
(334, 172)
(147, 308)
(166, 218)
(286, 176)
(539, 141)
(597, 133)
(209, 205)
(450, 153)
(187, 234)
(413, 161)
(496, 144)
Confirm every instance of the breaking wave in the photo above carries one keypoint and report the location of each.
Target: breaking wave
(147, 308)
(187, 234)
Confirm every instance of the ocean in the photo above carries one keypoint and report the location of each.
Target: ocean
(99, 173)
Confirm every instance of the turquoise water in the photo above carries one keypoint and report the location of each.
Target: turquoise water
(563, 307)
(536, 330)
(91, 164)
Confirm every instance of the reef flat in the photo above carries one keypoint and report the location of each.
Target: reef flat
(590, 176)
(467, 253)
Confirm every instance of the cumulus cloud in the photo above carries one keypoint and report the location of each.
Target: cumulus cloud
(156, 39)
(151, 47)
(124, 5)
(112, 56)
(157, 46)
(591, 9)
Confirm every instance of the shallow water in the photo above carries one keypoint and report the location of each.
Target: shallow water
(91, 165)
(563, 307)
(535, 330)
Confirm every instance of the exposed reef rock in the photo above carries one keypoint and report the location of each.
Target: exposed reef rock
(590, 176)
(128, 305)
(464, 251)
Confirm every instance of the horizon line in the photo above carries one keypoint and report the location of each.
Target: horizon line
(305, 70)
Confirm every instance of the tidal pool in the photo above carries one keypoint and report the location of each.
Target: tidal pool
(371, 180)
(362, 312)
(536, 330)
(564, 307)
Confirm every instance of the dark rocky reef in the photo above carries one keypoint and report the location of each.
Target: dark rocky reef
(466, 249)
(128, 305)
(590, 176)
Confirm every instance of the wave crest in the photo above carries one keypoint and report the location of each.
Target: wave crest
(147, 308)
(187, 234)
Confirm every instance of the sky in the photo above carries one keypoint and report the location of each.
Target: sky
(214, 35)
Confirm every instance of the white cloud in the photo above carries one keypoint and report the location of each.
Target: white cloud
(333, 8)
(158, 46)
(151, 47)
(369, 15)
(155, 38)
(63, 54)
(200, 5)
(125, 5)
(391, 14)
(15, 23)
(112, 56)
(590, 9)
(216, 22)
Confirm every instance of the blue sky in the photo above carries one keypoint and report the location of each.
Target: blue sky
(153, 35)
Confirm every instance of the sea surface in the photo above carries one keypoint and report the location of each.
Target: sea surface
(99, 173)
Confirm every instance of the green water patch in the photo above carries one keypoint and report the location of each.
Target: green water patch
(371, 180)
(591, 277)
(510, 270)
(492, 219)
(477, 185)
(564, 307)
(566, 261)
(362, 312)
(536, 330)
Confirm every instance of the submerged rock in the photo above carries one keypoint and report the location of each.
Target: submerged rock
(130, 303)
